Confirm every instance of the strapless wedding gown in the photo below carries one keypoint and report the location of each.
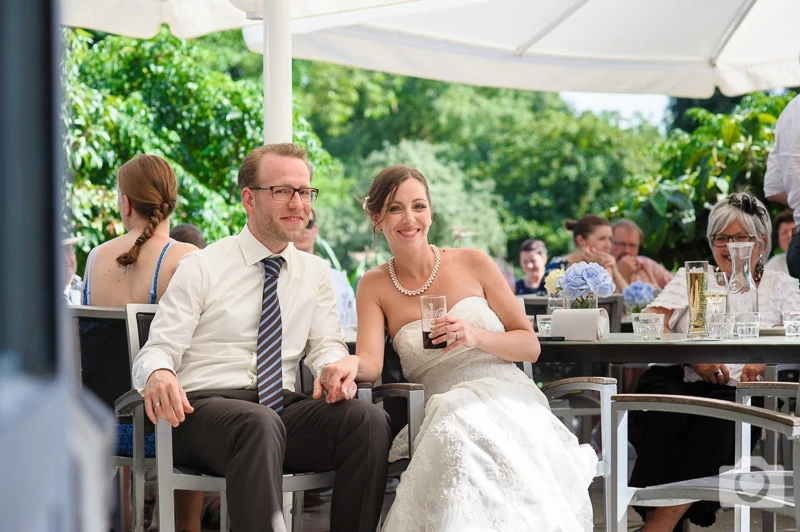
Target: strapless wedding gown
(490, 455)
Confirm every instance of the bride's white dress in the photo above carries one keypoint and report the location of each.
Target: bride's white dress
(490, 455)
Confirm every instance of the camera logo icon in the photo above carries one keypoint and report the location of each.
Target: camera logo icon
(761, 486)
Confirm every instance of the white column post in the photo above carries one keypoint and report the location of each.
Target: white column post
(277, 71)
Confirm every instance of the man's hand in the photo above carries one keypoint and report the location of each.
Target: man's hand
(165, 398)
(627, 266)
(752, 372)
(338, 380)
(713, 373)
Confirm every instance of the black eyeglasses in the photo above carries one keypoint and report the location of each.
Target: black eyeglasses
(720, 240)
(283, 193)
(311, 223)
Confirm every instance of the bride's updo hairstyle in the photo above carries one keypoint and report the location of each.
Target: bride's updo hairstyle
(152, 189)
(384, 188)
(585, 226)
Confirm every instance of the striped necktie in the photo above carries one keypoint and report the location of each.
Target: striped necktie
(268, 348)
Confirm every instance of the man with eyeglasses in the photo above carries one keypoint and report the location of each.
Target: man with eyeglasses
(782, 178)
(222, 357)
(626, 237)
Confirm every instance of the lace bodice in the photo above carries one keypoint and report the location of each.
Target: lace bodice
(440, 372)
(777, 292)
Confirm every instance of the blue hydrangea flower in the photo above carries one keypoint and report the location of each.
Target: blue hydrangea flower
(584, 278)
(638, 295)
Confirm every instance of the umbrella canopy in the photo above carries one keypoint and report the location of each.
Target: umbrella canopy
(143, 18)
(680, 48)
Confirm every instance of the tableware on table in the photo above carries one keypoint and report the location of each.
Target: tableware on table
(721, 325)
(544, 324)
(716, 293)
(742, 290)
(747, 324)
(431, 307)
(650, 326)
(791, 324)
(777, 330)
(696, 280)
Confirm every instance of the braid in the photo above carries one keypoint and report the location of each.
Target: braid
(129, 257)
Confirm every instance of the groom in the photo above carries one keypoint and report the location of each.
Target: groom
(230, 396)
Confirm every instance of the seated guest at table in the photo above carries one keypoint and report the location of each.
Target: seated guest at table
(188, 233)
(675, 447)
(532, 259)
(784, 226)
(626, 237)
(136, 268)
(592, 237)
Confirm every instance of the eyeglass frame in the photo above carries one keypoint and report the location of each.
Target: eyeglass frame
(313, 192)
(729, 238)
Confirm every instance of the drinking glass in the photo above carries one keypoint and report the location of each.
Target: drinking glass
(721, 325)
(651, 326)
(791, 324)
(544, 323)
(555, 301)
(431, 307)
(696, 280)
(747, 324)
(716, 293)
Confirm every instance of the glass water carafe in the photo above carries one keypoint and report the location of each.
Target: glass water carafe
(742, 291)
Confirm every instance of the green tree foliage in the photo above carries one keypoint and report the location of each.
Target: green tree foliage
(725, 152)
(546, 163)
(162, 96)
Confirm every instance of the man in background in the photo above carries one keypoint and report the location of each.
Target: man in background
(626, 237)
(782, 179)
(345, 297)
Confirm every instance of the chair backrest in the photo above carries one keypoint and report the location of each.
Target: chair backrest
(101, 351)
(534, 305)
(138, 318)
(614, 306)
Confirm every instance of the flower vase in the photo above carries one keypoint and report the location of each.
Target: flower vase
(587, 299)
(555, 301)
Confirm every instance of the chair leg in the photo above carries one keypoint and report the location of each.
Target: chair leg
(119, 510)
(166, 507)
(297, 510)
(223, 513)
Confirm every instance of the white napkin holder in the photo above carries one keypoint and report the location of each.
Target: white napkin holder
(582, 325)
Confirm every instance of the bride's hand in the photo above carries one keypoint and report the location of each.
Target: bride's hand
(449, 328)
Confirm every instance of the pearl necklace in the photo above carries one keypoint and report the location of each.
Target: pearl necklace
(437, 260)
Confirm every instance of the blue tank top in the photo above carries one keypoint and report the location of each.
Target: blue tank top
(87, 290)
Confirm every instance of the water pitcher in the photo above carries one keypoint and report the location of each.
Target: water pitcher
(742, 292)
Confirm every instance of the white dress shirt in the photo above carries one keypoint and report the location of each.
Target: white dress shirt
(207, 321)
(783, 162)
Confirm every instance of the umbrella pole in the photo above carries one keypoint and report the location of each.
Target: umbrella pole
(277, 71)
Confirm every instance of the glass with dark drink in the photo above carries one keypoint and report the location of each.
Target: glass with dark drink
(431, 307)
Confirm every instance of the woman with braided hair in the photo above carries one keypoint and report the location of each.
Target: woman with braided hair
(136, 268)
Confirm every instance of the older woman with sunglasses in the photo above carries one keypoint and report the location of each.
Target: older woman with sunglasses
(675, 447)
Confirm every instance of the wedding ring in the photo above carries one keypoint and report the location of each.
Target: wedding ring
(718, 373)
(156, 404)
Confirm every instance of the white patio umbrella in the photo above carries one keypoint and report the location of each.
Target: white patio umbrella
(193, 18)
(682, 48)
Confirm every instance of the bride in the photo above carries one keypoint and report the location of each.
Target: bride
(490, 456)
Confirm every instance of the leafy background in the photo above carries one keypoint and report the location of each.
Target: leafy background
(503, 165)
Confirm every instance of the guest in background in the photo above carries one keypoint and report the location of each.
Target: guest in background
(592, 237)
(672, 447)
(782, 178)
(188, 233)
(784, 228)
(532, 260)
(626, 237)
(73, 284)
(136, 268)
(345, 297)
